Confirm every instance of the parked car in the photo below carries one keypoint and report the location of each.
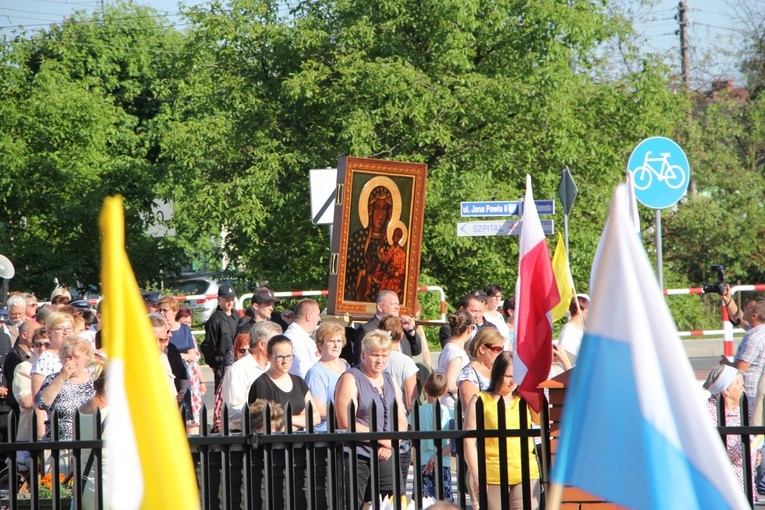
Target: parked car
(201, 286)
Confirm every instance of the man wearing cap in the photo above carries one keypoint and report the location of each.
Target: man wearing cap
(261, 308)
(220, 330)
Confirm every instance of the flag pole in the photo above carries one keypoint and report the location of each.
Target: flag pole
(554, 496)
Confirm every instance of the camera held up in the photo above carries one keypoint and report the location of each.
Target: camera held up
(715, 288)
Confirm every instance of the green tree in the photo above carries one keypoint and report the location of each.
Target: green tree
(483, 92)
(82, 108)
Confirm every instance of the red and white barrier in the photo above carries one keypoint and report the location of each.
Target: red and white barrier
(727, 330)
(311, 293)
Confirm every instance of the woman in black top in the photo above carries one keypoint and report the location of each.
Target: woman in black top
(278, 385)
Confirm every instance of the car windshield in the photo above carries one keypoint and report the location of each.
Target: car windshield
(193, 287)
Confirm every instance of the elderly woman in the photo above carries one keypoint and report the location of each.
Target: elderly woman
(183, 340)
(501, 386)
(65, 391)
(728, 382)
(364, 384)
(323, 376)
(59, 325)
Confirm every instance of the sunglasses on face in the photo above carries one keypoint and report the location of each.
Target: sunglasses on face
(42, 345)
(495, 348)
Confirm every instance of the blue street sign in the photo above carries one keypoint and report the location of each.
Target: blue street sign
(473, 209)
(497, 228)
(660, 172)
(502, 208)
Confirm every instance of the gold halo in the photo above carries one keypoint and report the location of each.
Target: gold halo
(387, 183)
(393, 226)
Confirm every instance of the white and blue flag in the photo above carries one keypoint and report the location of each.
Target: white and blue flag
(634, 430)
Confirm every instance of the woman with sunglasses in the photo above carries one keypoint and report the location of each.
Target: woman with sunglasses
(22, 391)
(58, 325)
(502, 386)
(183, 340)
(476, 375)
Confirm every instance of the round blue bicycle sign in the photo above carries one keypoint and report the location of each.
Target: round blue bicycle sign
(659, 171)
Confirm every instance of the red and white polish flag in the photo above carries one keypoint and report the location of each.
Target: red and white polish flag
(536, 294)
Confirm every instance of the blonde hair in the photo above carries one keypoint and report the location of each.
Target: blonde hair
(75, 343)
(485, 336)
(169, 301)
(376, 340)
(55, 319)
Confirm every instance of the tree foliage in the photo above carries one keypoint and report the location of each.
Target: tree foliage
(82, 110)
(227, 118)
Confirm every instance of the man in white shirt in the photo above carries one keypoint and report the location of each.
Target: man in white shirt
(240, 376)
(307, 319)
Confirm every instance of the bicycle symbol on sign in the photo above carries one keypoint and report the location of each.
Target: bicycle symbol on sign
(672, 175)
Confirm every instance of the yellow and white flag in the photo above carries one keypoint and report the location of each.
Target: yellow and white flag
(563, 279)
(150, 463)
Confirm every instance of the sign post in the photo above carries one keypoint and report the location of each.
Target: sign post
(660, 173)
(567, 192)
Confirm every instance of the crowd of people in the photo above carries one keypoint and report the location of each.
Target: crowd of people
(305, 364)
(297, 366)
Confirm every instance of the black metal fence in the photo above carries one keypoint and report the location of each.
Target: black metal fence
(276, 470)
(300, 469)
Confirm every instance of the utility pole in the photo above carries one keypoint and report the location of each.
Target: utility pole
(683, 19)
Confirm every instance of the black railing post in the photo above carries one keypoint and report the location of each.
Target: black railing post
(523, 425)
(461, 473)
(438, 409)
(225, 461)
(416, 447)
(247, 456)
(396, 456)
(504, 489)
(480, 443)
(352, 481)
(746, 466)
(310, 486)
